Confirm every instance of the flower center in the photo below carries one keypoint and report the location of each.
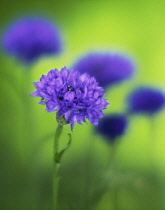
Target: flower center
(70, 88)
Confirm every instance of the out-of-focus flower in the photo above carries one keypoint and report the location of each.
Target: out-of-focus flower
(112, 126)
(30, 38)
(107, 68)
(146, 100)
(75, 96)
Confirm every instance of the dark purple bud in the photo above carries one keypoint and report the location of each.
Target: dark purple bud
(30, 38)
(107, 68)
(146, 100)
(112, 127)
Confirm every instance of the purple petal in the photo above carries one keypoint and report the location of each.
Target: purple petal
(83, 77)
(58, 82)
(69, 96)
(44, 95)
(51, 106)
(96, 94)
(50, 90)
(42, 102)
(64, 72)
(39, 85)
(68, 114)
(36, 94)
(93, 117)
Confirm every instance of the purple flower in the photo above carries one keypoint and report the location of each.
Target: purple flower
(75, 96)
(146, 100)
(107, 68)
(112, 126)
(30, 38)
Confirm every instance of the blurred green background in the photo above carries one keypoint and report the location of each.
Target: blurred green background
(137, 182)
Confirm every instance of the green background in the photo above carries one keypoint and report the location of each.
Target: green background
(137, 178)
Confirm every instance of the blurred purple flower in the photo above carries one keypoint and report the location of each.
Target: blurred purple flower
(146, 100)
(112, 126)
(30, 38)
(107, 68)
(74, 95)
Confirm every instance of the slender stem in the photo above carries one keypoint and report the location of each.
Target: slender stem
(115, 199)
(112, 154)
(151, 145)
(88, 168)
(28, 115)
(112, 167)
(56, 166)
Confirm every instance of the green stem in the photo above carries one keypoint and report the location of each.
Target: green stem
(111, 160)
(28, 115)
(56, 166)
(152, 142)
(88, 168)
(113, 167)
(115, 199)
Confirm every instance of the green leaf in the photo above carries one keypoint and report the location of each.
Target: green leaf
(60, 154)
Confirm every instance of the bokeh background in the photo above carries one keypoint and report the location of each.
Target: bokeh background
(135, 28)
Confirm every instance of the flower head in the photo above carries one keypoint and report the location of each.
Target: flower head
(146, 100)
(112, 126)
(30, 38)
(107, 68)
(75, 96)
